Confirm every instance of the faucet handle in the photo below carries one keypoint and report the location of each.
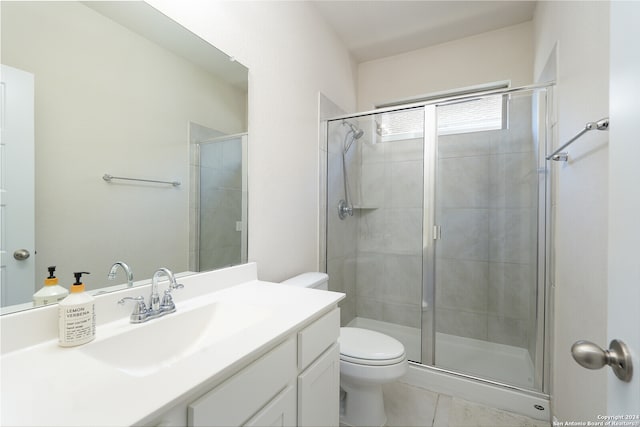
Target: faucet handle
(139, 313)
(167, 305)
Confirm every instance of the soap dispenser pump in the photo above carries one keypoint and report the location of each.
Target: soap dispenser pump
(76, 315)
(51, 292)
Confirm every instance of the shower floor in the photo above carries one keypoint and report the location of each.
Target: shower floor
(484, 359)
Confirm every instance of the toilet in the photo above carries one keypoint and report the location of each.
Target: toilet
(368, 359)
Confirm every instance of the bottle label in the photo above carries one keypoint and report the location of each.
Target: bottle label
(53, 299)
(77, 324)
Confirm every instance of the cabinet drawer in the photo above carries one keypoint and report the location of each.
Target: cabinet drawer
(317, 337)
(240, 397)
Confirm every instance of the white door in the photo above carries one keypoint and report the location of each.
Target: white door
(623, 399)
(17, 236)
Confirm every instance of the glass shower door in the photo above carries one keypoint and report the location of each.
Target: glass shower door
(375, 222)
(486, 257)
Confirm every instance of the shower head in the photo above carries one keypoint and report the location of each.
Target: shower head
(357, 132)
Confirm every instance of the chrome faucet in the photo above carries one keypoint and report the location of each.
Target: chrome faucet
(166, 305)
(157, 307)
(127, 270)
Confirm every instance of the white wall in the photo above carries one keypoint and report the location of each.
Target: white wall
(504, 54)
(580, 196)
(291, 56)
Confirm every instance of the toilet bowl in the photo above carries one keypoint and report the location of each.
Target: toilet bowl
(368, 359)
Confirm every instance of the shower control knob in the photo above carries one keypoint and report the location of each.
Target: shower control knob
(592, 356)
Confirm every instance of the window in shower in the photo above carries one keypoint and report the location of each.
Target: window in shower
(475, 115)
(483, 114)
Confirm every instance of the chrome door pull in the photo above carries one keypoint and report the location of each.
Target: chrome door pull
(592, 356)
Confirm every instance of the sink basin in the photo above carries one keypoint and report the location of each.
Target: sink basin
(144, 349)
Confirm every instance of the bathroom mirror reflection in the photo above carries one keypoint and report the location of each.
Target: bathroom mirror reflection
(116, 88)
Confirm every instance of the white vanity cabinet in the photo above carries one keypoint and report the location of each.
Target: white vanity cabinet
(319, 378)
(295, 384)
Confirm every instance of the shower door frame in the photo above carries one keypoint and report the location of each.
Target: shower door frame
(430, 231)
(543, 248)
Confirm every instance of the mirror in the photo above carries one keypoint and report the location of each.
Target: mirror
(119, 89)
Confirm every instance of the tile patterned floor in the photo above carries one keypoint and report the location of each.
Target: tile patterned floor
(409, 406)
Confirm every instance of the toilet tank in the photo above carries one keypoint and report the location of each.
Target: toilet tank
(309, 280)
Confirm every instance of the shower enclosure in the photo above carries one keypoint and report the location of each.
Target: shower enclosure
(436, 230)
(218, 199)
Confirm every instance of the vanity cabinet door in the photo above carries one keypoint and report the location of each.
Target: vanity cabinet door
(243, 395)
(319, 390)
(280, 412)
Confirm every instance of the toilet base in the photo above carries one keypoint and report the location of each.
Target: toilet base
(363, 406)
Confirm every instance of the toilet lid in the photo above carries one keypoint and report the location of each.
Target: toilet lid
(368, 347)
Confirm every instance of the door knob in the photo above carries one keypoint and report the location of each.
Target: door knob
(21, 254)
(592, 356)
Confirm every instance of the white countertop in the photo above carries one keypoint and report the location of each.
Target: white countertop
(47, 385)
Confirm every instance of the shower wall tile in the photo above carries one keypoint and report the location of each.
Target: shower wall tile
(467, 144)
(231, 155)
(212, 178)
(461, 323)
(507, 330)
(464, 182)
(219, 257)
(406, 184)
(370, 308)
(518, 138)
(373, 233)
(374, 153)
(465, 234)
(463, 285)
(336, 134)
(510, 290)
(405, 314)
(211, 155)
(402, 314)
(370, 275)
(405, 226)
(341, 273)
(403, 279)
(404, 150)
(372, 184)
(513, 180)
(510, 234)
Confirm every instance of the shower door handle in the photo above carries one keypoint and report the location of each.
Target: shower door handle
(592, 356)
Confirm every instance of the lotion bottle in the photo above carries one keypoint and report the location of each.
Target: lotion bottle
(76, 316)
(51, 292)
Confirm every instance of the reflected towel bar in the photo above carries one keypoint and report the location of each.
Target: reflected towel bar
(602, 124)
(108, 178)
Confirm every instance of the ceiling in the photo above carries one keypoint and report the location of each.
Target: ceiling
(380, 28)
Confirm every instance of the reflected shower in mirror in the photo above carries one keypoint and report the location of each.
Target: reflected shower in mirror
(115, 86)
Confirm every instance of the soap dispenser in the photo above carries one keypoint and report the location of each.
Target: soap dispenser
(51, 292)
(76, 316)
